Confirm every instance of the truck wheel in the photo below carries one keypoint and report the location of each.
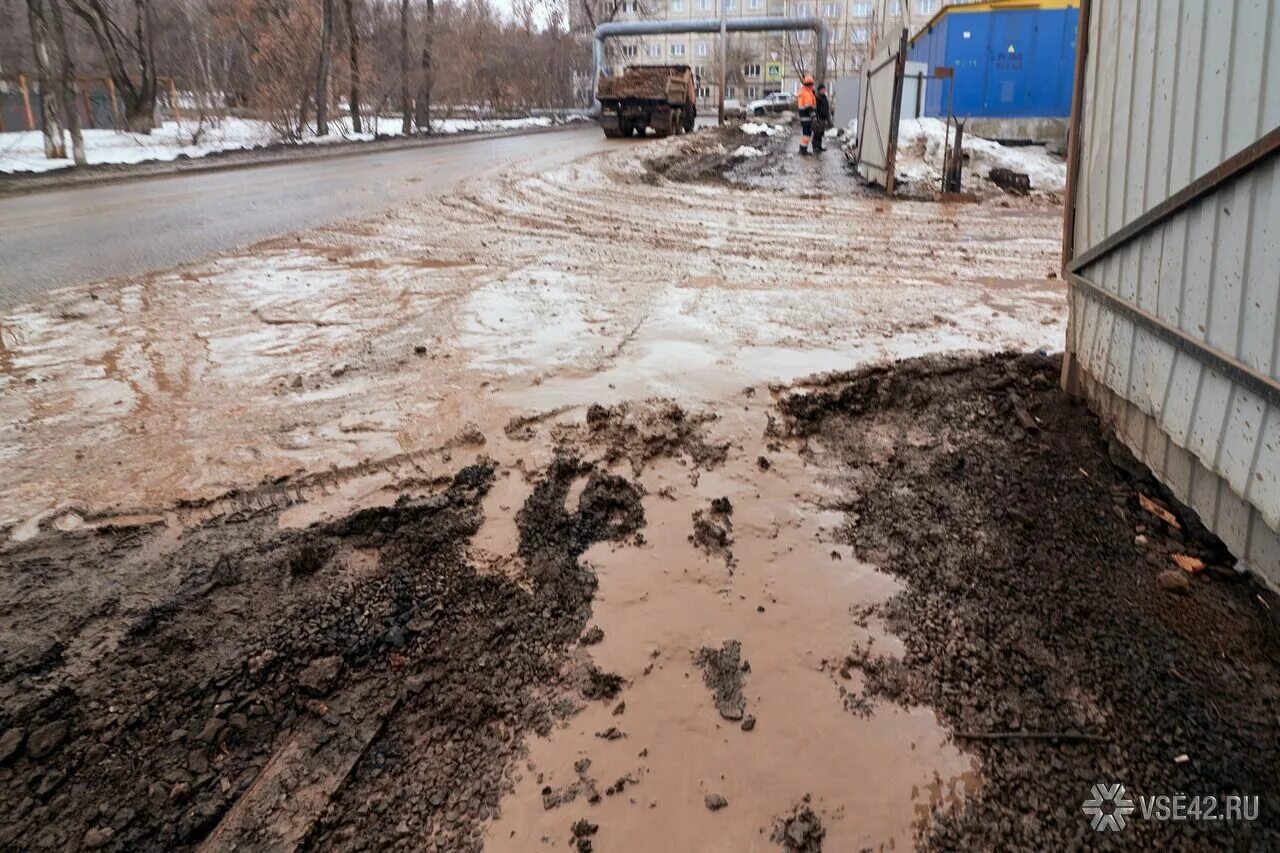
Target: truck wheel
(759, 111)
(690, 119)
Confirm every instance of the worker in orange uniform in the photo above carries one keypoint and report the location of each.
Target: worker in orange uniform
(807, 104)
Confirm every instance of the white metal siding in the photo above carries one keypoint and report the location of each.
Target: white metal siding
(1171, 90)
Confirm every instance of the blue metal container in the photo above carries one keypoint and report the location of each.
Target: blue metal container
(1011, 59)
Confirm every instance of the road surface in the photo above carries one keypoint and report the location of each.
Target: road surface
(62, 237)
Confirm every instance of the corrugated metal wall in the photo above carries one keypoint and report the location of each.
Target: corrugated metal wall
(1174, 331)
(1008, 63)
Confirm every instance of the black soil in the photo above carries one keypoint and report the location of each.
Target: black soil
(1031, 604)
(356, 685)
(724, 672)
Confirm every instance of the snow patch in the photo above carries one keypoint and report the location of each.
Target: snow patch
(753, 128)
(24, 151)
(922, 142)
(746, 151)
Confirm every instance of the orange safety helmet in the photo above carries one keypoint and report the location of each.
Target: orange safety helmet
(808, 79)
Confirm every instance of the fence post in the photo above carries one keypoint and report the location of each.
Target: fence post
(26, 101)
(88, 105)
(115, 110)
(173, 100)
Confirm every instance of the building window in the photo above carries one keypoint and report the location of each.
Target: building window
(833, 35)
(731, 91)
(751, 69)
(631, 7)
(677, 5)
(859, 35)
(803, 37)
(831, 10)
(730, 5)
(802, 10)
(629, 51)
(677, 50)
(655, 51)
(753, 92)
(895, 9)
(755, 4)
(860, 10)
(704, 92)
(926, 7)
(701, 49)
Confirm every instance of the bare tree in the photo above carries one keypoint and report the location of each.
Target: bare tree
(406, 110)
(55, 146)
(322, 67)
(70, 112)
(425, 84)
(120, 51)
(353, 57)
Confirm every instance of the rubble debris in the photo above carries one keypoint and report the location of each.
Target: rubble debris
(1188, 563)
(713, 530)
(799, 831)
(601, 685)
(320, 676)
(722, 671)
(715, 802)
(1017, 183)
(641, 432)
(1172, 580)
(593, 636)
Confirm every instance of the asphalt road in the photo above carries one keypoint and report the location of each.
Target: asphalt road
(62, 237)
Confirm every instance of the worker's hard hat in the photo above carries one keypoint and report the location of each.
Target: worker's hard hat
(808, 80)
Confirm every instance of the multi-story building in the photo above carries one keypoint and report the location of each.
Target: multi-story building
(758, 63)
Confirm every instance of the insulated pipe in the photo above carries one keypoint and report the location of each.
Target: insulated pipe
(713, 25)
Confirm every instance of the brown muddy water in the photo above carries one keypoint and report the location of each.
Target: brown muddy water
(263, 397)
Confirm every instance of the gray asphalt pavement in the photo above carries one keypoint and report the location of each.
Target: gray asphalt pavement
(62, 237)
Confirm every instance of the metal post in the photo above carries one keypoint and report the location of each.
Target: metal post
(724, 58)
(26, 101)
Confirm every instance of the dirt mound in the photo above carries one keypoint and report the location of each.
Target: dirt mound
(356, 685)
(1033, 616)
(641, 432)
(719, 155)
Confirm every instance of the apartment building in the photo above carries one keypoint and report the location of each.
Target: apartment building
(760, 63)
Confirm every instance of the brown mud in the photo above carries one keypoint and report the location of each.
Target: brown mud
(295, 674)
(379, 538)
(1037, 614)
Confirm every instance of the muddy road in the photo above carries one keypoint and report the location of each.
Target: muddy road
(582, 508)
(68, 236)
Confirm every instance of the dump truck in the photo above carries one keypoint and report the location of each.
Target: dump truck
(662, 97)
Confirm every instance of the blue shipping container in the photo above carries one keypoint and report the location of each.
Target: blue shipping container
(1008, 62)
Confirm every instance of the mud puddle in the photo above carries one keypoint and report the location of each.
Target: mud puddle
(789, 604)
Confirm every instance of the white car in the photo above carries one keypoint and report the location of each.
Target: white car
(733, 107)
(774, 102)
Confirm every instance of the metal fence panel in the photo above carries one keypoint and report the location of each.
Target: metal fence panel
(1174, 255)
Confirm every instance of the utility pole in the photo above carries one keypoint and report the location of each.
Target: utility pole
(724, 58)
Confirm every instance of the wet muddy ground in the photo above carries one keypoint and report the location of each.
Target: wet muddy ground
(509, 520)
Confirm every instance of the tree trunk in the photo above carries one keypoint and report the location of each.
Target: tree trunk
(55, 145)
(139, 97)
(427, 82)
(70, 110)
(322, 71)
(406, 108)
(353, 47)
